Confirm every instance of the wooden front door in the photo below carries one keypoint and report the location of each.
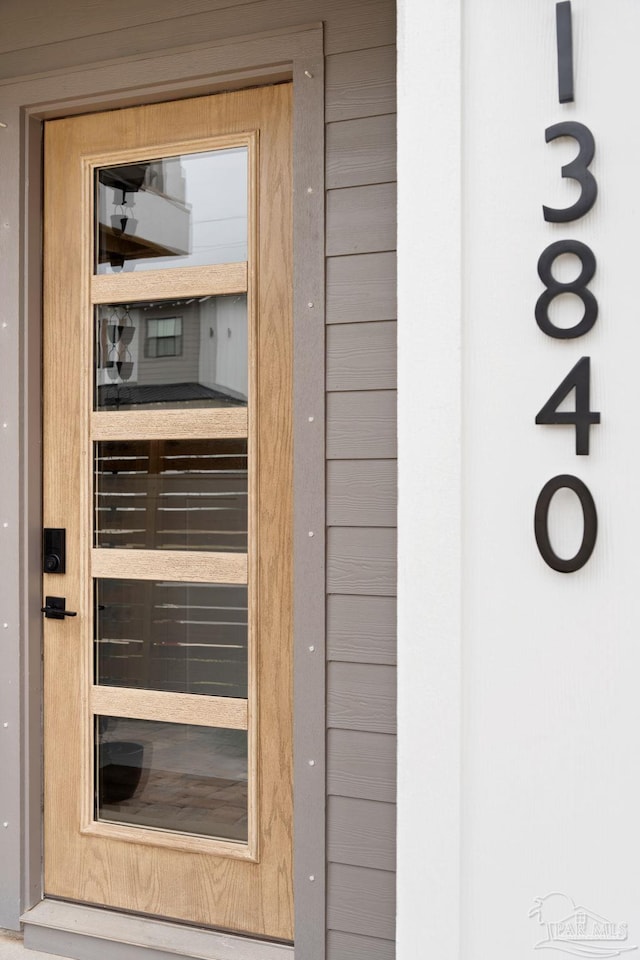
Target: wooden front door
(167, 462)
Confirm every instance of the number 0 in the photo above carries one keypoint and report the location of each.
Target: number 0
(541, 526)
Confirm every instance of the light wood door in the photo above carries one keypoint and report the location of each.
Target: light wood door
(167, 709)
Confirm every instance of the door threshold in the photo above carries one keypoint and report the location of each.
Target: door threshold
(91, 933)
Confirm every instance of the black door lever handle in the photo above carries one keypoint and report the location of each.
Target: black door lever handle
(54, 608)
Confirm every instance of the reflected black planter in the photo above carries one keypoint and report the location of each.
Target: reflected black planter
(120, 770)
(121, 225)
(120, 333)
(124, 368)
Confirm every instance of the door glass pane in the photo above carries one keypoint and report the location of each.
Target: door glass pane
(172, 776)
(172, 353)
(177, 637)
(171, 495)
(181, 211)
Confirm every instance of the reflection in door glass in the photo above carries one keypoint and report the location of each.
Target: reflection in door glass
(172, 776)
(177, 212)
(172, 353)
(175, 637)
(171, 495)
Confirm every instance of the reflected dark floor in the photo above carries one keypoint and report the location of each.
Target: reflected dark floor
(193, 779)
(207, 806)
(121, 395)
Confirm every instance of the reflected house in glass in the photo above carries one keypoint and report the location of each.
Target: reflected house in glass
(142, 212)
(172, 353)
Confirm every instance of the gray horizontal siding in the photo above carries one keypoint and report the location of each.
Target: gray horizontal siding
(361, 697)
(361, 425)
(361, 219)
(356, 25)
(361, 151)
(360, 84)
(349, 946)
(361, 504)
(361, 356)
(361, 493)
(361, 629)
(362, 833)
(361, 288)
(361, 764)
(81, 19)
(361, 560)
(39, 36)
(361, 901)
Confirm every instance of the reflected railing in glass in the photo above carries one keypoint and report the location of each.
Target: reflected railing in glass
(179, 211)
(171, 495)
(172, 776)
(172, 353)
(173, 637)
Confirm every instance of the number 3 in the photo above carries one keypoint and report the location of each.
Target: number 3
(576, 170)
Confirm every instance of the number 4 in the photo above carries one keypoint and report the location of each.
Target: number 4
(578, 379)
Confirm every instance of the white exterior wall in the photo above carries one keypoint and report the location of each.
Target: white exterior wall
(519, 717)
(429, 375)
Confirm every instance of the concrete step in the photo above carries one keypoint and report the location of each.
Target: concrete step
(12, 948)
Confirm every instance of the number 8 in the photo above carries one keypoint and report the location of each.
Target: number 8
(577, 287)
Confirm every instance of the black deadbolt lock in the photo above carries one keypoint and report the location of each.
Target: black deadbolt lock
(54, 550)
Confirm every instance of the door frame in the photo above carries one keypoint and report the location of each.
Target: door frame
(203, 68)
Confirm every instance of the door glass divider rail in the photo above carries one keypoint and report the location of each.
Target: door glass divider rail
(188, 708)
(176, 565)
(170, 284)
(207, 423)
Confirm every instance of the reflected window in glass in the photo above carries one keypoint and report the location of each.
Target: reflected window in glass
(163, 337)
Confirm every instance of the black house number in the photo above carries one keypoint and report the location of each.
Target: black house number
(578, 378)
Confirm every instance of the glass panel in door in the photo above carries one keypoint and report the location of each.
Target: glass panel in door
(171, 494)
(176, 637)
(172, 776)
(170, 212)
(172, 353)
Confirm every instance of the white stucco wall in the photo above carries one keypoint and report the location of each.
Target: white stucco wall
(429, 379)
(519, 717)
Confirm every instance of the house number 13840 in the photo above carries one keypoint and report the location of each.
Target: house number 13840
(579, 377)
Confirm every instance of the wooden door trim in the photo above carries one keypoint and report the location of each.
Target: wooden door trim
(198, 69)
